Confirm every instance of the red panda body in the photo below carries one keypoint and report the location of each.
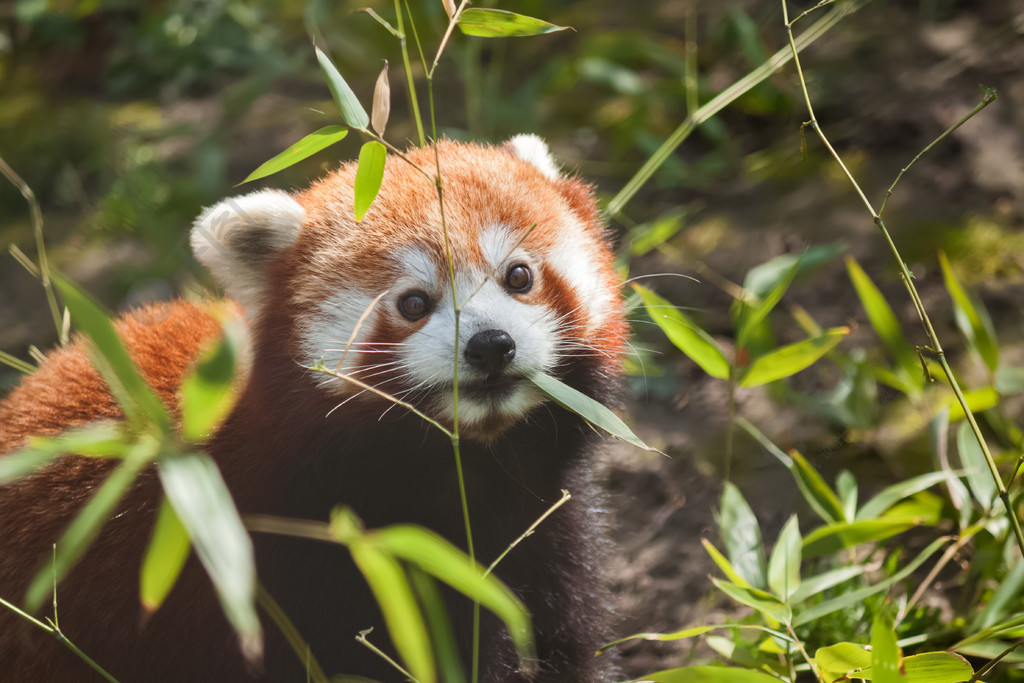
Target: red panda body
(534, 280)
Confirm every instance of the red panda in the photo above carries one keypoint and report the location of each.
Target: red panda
(533, 275)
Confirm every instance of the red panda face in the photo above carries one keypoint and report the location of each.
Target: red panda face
(516, 280)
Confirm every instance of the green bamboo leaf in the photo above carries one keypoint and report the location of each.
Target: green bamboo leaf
(857, 596)
(831, 538)
(885, 654)
(590, 410)
(369, 176)
(789, 360)
(165, 557)
(90, 520)
(397, 603)
(816, 492)
(972, 459)
(140, 405)
(768, 282)
(886, 326)
(813, 585)
(207, 393)
(723, 563)
(707, 674)
(846, 489)
(836, 661)
(496, 23)
(353, 113)
(894, 493)
(741, 536)
(929, 667)
(973, 320)
(97, 440)
(194, 487)
(1003, 602)
(784, 563)
(762, 601)
(449, 664)
(685, 334)
(304, 148)
(693, 632)
(978, 400)
(440, 559)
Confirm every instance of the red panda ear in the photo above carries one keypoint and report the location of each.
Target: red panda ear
(236, 238)
(534, 150)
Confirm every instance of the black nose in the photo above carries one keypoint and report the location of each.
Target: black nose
(490, 351)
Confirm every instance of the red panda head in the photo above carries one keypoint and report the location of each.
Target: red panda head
(533, 280)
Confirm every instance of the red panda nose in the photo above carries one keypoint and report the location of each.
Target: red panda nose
(490, 351)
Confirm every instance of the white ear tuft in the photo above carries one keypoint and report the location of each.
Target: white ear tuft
(237, 237)
(531, 148)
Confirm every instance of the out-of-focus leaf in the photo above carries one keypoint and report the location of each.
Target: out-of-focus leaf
(813, 585)
(353, 112)
(1009, 380)
(140, 405)
(93, 516)
(924, 509)
(836, 661)
(751, 314)
(979, 477)
(381, 109)
(784, 564)
(886, 326)
(449, 665)
(723, 563)
(194, 487)
(741, 536)
(938, 436)
(763, 602)
(692, 632)
(929, 667)
(763, 278)
(973, 320)
(98, 440)
(816, 492)
(894, 493)
(1003, 602)
(401, 613)
(846, 489)
(707, 674)
(856, 596)
(978, 400)
(648, 236)
(306, 147)
(207, 393)
(440, 559)
(885, 654)
(369, 176)
(590, 410)
(685, 334)
(791, 359)
(496, 23)
(168, 549)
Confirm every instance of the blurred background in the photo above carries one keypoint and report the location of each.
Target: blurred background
(126, 118)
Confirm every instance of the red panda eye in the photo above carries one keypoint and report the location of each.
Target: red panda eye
(519, 278)
(414, 305)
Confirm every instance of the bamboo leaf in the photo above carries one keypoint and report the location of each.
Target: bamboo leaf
(369, 176)
(763, 602)
(381, 109)
(885, 654)
(972, 459)
(685, 334)
(165, 557)
(707, 674)
(973, 320)
(590, 410)
(353, 112)
(693, 632)
(741, 536)
(207, 393)
(784, 563)
(789, 360)
(201, 500)
(816, 492)
(306, 147)
(496, 23)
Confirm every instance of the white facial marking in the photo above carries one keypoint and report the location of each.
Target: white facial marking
(335, 328)
(574, 261)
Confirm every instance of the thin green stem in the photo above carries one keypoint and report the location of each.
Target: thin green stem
(985, 670)
(989, 97)
(410, 82)
(907, 277)
(803, 651)
(361, 638)
(37, 229)
(559, 503)
(447, 35)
